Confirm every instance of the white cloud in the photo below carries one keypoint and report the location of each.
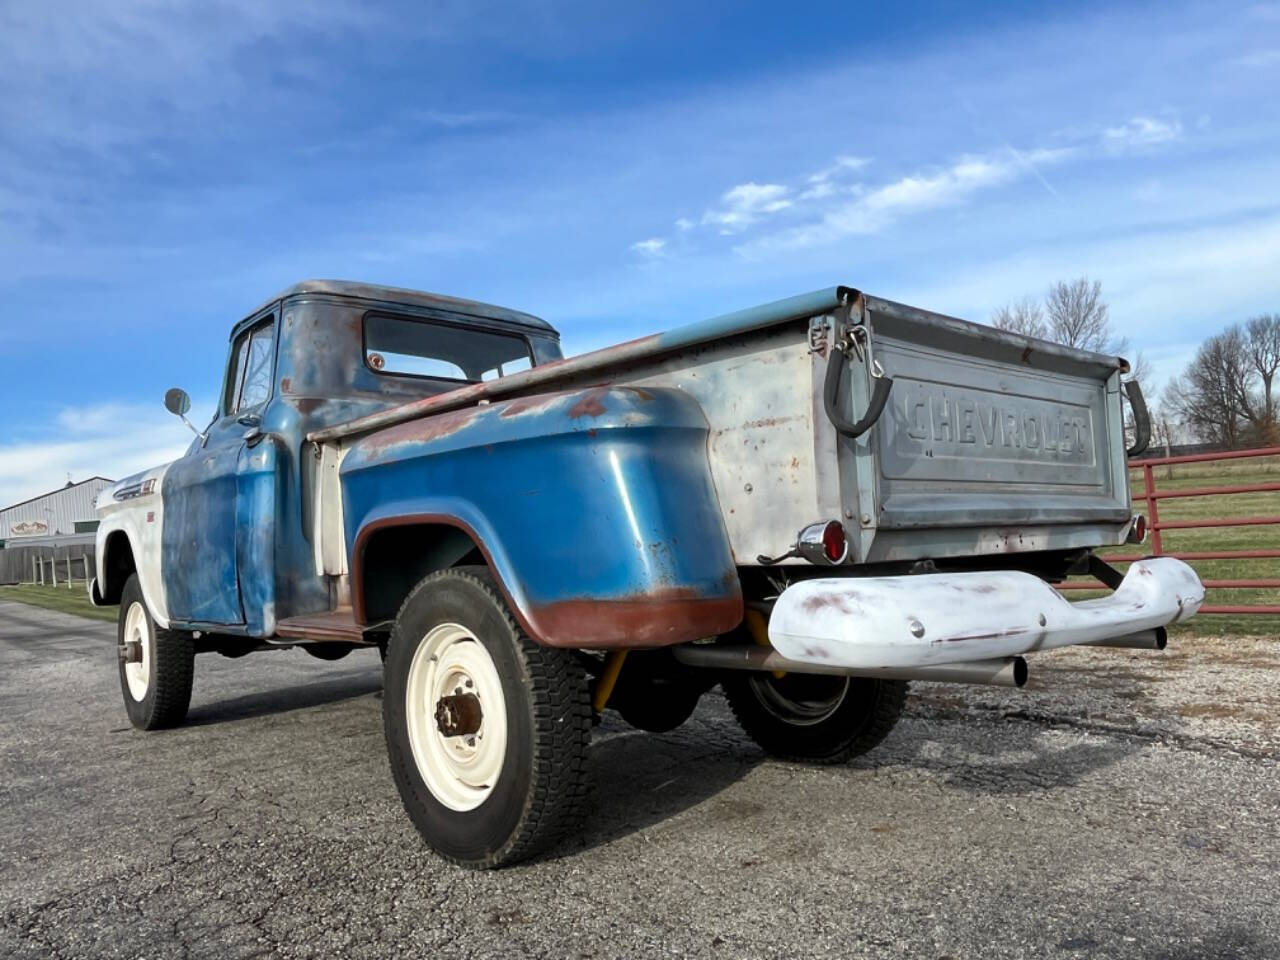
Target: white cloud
(653, 247)
(684, 223)
(832, 180)
(1259, 58)
(1141, 132)
(874, 209)
(743, 205)
(109, 439)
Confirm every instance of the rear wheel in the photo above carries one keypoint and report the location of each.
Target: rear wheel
(815, 719)
(487, 732)
(156, 665)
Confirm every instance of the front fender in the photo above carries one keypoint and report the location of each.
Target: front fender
(595, 510)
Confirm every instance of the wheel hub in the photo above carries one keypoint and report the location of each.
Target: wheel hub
(458, 715)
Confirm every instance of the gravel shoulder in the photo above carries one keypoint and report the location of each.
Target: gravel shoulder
(1124, 805)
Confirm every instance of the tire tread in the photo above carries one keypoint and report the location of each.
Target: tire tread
(562, 715)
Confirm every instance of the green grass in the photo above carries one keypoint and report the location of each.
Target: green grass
(1267, 504)
(74, 600)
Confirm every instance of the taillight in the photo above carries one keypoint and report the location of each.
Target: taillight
(823, 543)
(834, 544)
(1137, 529)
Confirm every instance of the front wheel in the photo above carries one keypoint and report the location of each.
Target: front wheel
(156, 665)
(487, 732)
(815, 719)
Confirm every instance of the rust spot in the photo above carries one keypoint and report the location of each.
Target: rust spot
(768, 422)
(843, 602)
(590, 404)
(422, 430)
(999, 634)
(660, 618)
(285, 384)
(513, 408)
(308, 404)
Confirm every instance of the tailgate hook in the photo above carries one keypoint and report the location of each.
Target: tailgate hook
(860, 341)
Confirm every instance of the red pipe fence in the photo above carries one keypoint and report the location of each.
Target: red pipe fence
(1153, 495)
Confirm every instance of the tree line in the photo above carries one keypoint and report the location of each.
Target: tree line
(1226, 396)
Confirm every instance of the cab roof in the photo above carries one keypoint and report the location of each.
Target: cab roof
(375, 293)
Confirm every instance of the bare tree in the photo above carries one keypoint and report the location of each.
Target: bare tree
(1022, 316)
(1226, 393)
(1074, 314)
(1264, 354)
(1078, 316)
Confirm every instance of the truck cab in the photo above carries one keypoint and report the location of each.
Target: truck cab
(234, 552)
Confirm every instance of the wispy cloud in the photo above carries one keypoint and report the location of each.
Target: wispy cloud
(653, 247)
(107, 439)
(1259, 58)
(745, 204)
(871, 209)
(1141, 132)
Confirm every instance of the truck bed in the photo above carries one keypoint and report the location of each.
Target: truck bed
(990, 442)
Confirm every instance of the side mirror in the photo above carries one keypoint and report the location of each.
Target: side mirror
(178, 403)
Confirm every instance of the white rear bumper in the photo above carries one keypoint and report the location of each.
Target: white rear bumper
(941, 618)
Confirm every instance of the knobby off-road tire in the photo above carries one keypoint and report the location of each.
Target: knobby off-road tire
(516, 781)
(815, 719)
(157, 689)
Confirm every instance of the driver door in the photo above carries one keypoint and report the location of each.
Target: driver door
(201, 491)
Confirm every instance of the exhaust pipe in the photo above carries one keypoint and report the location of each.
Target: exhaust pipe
(1156, 639)
(1000, 672)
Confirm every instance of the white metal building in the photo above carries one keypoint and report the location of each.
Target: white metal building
(56, 517)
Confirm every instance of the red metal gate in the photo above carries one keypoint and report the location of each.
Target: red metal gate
(1153, 495)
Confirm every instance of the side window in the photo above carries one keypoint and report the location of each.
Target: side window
(249, 383)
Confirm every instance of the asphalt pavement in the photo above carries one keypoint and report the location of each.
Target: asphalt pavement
(1126, 805)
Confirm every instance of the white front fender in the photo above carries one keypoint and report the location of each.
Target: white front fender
(955, 617)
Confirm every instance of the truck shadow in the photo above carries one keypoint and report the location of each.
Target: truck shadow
(298, 696)
(645, 780)
(1012, 757)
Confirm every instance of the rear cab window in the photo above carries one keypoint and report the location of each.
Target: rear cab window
(412, 347)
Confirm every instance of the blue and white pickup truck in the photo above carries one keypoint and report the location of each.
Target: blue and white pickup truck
(811, 503)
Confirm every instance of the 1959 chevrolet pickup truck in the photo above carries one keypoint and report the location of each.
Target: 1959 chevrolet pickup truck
(811, 503)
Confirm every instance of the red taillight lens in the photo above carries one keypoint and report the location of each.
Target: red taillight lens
(834, 544)
(1138, 530)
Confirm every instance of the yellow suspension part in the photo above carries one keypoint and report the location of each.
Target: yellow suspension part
(758, 627)
(605, 684)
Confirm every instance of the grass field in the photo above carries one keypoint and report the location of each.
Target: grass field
(73, 600)
(1176, 477)
(1233, 473)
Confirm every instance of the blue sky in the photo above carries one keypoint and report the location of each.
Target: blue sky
(614, 168)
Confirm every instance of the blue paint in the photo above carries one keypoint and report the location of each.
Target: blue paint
(601, 497)
(198, 552)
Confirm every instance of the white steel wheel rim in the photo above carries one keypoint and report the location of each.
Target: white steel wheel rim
(138, 675)
(460, 771)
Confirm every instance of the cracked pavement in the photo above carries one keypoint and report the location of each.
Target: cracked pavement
(1124, 805)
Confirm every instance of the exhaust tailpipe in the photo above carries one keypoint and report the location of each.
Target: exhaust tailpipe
(1156, 639)
(1000, 672)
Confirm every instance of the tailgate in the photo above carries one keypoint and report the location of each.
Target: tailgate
(990, 429)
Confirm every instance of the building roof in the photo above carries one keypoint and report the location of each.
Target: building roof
(65, 486)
